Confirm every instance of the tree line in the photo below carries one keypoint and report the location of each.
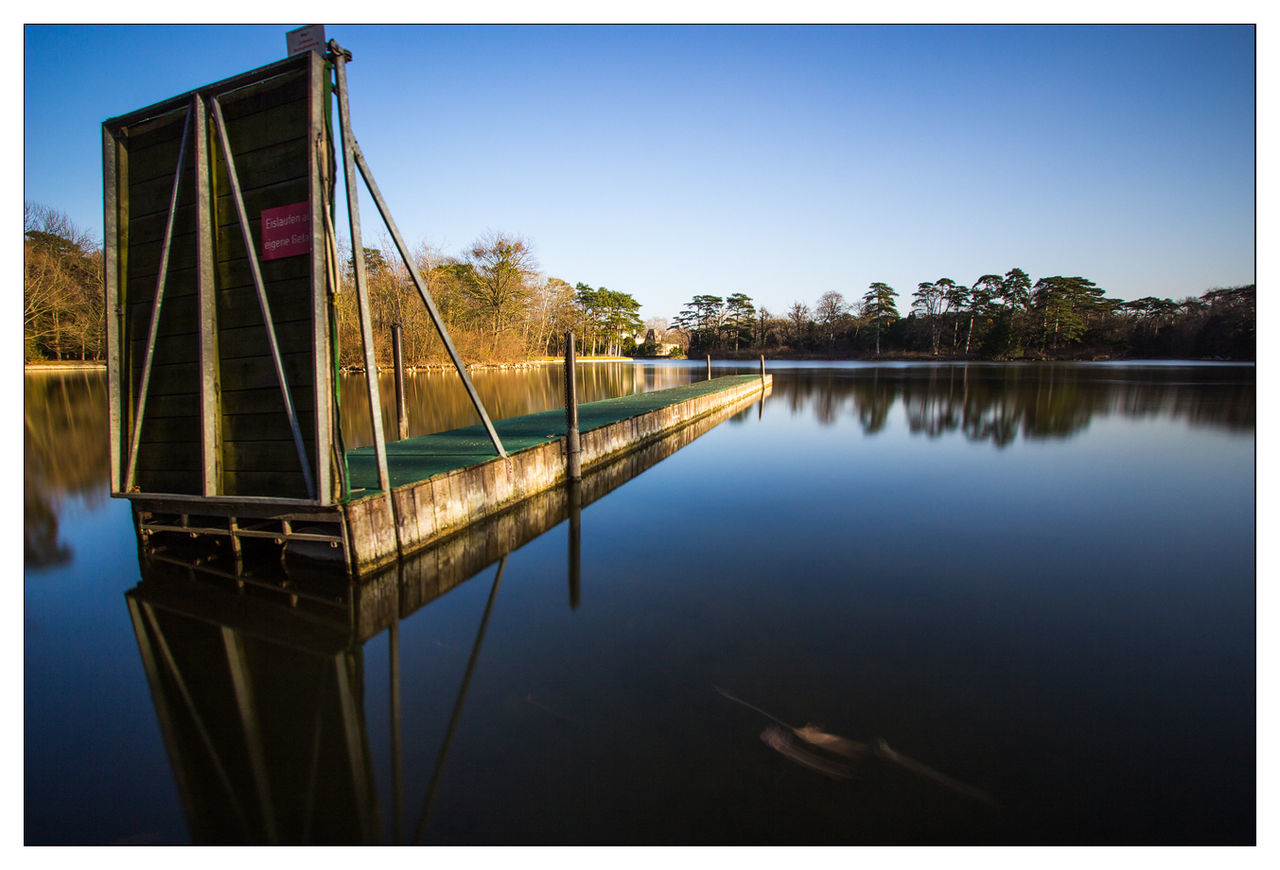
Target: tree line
(997, 317)
(492, 298)
(498, 307)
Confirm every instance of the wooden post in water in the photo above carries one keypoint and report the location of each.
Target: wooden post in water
(762, 371)
(573, 446)
(708, 366)
(402, 410)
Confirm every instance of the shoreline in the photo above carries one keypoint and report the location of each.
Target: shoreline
(64, 366)
(77, 366)
(448, 367)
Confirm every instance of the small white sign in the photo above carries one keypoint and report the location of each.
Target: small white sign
(307, 38)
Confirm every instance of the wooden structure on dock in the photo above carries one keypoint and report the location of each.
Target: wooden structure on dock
(221, 272)
(220, 351)
(222, 268)
(220, 363)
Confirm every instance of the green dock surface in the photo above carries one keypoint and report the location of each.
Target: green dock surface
(425, 456)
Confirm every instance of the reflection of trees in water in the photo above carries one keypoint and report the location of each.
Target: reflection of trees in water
(41, 546)
(826, 405)
(998, 403)
(1060, 404)
(65, 452)
(878, 399)
(932, 403)
(438, 402)
(997, 420)
(1230, 404)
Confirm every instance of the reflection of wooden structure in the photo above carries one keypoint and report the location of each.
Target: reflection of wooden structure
(262, 712)
(256, 670)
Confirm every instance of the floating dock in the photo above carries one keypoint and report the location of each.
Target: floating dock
(445, 481)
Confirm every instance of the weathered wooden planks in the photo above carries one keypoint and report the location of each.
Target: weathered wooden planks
(214, 405)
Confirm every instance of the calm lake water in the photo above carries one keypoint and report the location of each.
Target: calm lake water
(1037, 581)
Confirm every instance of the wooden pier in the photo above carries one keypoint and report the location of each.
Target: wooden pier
(399, 589)
(447, 481)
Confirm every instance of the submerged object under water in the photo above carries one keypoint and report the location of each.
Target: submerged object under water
(837, 757)
(883, 750)
(785, 742)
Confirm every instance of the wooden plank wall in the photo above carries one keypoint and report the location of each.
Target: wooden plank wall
(169, 457)
(269, 126)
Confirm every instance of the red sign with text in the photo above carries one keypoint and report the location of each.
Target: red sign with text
(286, 231)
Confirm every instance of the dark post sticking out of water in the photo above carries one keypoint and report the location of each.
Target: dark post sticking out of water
(402, 410)
(762, 369)
(573, 447)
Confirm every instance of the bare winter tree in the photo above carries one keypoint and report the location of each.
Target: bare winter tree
(504, 265)
(63, 302)
(830, 310)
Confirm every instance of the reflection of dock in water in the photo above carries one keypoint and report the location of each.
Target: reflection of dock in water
(256, 668)
(435, 571)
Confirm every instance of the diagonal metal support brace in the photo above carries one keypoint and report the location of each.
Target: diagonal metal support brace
(367, 174)
(145, 386)
(349, 144)
(361, 280)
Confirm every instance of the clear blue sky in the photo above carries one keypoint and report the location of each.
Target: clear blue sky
(778, 161)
